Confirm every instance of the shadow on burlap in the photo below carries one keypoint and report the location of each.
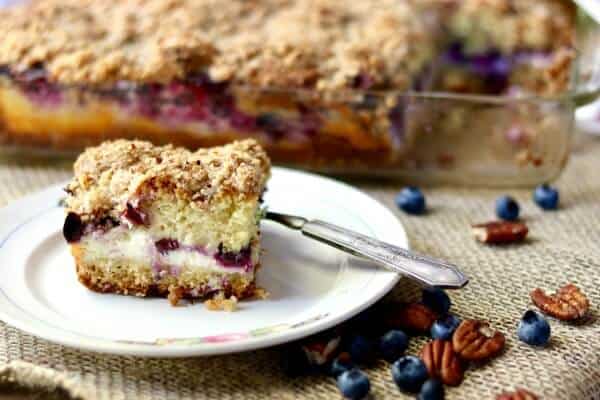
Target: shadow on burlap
(563, 247)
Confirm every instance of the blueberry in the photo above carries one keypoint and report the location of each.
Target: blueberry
(361, 349)
(354, 384)
(294, 362)
(507, 208)
(436, 299)
(340, 364)
(393, 344)
(166, 245)
(411, 200)
(444, 327)
(432, 389)
(73, 228)
(533, 329)
(409, 373)
(546, 197)
(232, 258)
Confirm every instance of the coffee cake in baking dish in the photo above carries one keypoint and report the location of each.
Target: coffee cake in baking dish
(316, 82)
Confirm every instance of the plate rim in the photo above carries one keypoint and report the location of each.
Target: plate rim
(185, 347)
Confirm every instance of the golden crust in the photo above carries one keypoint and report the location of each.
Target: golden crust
(109, 176)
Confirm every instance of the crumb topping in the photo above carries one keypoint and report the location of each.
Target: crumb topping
(324, 44)
(110, 176)
(513, 24)
(309, 43)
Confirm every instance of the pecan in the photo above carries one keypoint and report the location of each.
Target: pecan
(442, 362)
(520, 394)
(500, 232)
(567, 304)
(475, 341)
(413, 317)
(320, 350)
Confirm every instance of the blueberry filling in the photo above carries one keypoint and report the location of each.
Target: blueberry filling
(195, 99)
(165, 245)
(34, 83)
(135, 215)
(101, 225)
(231, 259)
(243, 258)
(272, 125)
(73, 228)
(491, 66)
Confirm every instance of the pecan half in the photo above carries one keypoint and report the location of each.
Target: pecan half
(321, 350)
(412, 317)
(520, 394)
(442, 362)
(475, 341)
(567, 304)
(500, 232)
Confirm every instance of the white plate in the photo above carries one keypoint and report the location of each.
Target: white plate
(312, 286)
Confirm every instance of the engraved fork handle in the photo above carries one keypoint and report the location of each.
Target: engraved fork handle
(421, 268)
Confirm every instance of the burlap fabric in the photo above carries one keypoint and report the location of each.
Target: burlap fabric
(564, 247)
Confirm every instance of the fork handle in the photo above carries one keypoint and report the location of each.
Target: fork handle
(424, 269)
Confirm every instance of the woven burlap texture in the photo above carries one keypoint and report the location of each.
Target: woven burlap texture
(563, 247)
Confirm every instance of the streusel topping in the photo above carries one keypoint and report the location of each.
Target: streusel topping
(308, 43)
(325, 44)
(109, 176)
(513, 24)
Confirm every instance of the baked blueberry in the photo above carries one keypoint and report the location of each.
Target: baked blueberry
(546, 197)
(533, 329)
(409, 373)
(393, 344)
(353, 384)
(163, 246)
(73, 228)
(507, 208)
(361, 349)
(411, 200)
(432, 389)
(436, 299)
(342, 363)
(444, 327)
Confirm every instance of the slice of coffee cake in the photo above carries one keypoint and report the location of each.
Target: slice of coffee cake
(148, 220)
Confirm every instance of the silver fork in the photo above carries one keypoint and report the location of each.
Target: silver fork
(421, 268)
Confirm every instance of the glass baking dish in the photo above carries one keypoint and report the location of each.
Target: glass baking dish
(416, 136)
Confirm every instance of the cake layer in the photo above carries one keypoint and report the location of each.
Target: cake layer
(122, 245)
(139, 280)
